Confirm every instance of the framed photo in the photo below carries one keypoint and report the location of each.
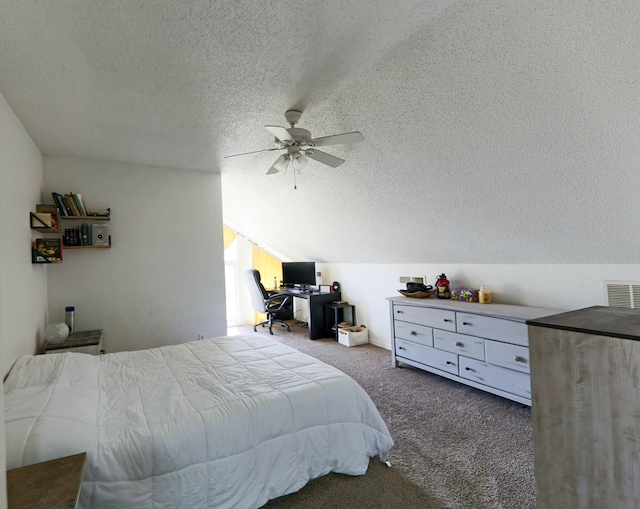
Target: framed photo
(46, 251)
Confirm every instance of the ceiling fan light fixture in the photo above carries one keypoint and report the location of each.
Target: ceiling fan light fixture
(299, 161)
(280, 165)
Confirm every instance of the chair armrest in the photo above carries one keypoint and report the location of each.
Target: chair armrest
(272, 302)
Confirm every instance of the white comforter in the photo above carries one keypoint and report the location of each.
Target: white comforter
(225, 422)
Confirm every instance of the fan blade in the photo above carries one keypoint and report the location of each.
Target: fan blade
(337, 139)
(254, 152)
(324, 158)
(280, 132)
(279, 165)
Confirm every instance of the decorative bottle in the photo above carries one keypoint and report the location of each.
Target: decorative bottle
(484, 295)
(443, 290)
(69, 318)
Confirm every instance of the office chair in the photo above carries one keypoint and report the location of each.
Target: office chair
(263, 302)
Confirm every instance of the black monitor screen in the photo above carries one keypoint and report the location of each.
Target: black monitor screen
(299, 273)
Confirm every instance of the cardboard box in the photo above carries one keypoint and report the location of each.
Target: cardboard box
(353, 336)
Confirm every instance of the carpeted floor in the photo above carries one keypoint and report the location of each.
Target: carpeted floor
(455, 447)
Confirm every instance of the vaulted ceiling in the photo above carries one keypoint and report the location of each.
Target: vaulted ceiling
(486, 124)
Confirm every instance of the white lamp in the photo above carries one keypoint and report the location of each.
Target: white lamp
(280, 164)
(56, 333)
(299, 161)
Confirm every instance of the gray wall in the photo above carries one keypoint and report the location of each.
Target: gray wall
(23, 286)
(162, 282)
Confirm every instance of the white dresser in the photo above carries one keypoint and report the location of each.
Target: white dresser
(482, 345)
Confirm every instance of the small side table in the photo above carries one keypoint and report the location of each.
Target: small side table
(341, 313)
(52, 484)
(83, 342)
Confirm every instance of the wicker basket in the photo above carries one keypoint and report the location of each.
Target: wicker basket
(418, 295)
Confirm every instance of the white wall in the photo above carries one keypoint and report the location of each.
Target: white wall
(162, 282)
(559, 286)
(23, 291)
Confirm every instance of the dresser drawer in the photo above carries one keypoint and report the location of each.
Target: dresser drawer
(431, 317)
(489, 327)
(444, 361)
(469, 346)
(507, 356)
(413, 332)
(504, 379)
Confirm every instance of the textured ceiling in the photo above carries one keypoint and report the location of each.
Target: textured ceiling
(495, 131)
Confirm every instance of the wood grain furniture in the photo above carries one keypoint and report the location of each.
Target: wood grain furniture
(585, 377)
(82, 341)
(52, 484)
(485, 346)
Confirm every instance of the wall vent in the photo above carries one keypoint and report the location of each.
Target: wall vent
(622, 294)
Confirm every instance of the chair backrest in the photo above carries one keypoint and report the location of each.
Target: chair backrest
(256, 290)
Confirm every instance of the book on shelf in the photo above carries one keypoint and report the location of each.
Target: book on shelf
(99, 213)
(84, 232)
(100, 235)
(53, 212)
(47, 251)
(45, 218)
(58, 199)
(72, 237)
(71, 204)
(80, 204)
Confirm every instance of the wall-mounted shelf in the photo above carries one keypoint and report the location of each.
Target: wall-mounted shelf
(87, 247)
(45, 219)
(91, 233)
(93, 218)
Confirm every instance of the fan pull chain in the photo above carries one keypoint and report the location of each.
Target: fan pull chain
(294, 180)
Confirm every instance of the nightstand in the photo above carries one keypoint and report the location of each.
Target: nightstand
(83, 342)
(52, 484)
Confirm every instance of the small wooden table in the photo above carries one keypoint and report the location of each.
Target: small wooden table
(52, 484)
(84, 342)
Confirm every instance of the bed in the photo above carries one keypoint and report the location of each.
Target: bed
(227, 422)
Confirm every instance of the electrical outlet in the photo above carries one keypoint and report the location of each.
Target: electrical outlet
(405, 279)
(200, 336)
(417, 279)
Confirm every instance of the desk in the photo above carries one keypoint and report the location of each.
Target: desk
(316, 300)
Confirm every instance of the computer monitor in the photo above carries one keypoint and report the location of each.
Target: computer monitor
(299, 273)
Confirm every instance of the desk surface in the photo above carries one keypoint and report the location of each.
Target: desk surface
(297, 292)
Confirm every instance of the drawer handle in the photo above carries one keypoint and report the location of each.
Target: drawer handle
(414, 333)
(518, 358)
(458, 343)
(451, 363)
(467, 323)
(401, 348)
(447, 320)
(399, 312)
(469, 369)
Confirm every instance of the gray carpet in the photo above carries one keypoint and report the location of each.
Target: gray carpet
(455, 446)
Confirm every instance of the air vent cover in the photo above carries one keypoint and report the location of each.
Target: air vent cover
(622, 294)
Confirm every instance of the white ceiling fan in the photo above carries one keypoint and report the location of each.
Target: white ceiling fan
(299, 145)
